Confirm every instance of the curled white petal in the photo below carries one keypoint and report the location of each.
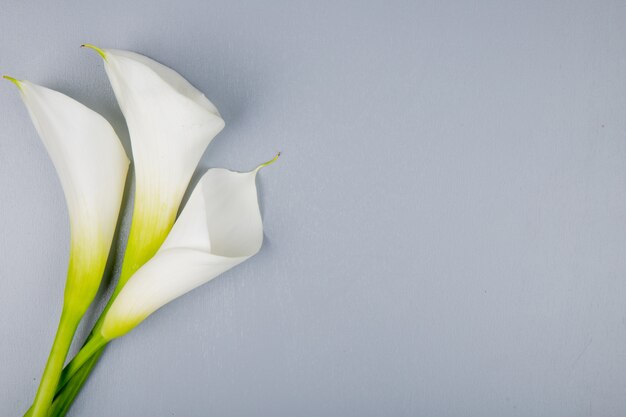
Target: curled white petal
(170, 123)
(219, 228)
(92, 167)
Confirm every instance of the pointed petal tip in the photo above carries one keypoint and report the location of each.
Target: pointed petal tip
(95, 48)
(14, 81)
(270, 162)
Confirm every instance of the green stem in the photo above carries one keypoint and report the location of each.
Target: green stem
(93, 345)
(67, 393)
(51, 374)
(76, 372)
(65, 397)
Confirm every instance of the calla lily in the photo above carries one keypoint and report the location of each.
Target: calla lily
(170, 124)
(219, 228)
(92, 167)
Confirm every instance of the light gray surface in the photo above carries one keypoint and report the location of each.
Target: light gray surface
(445, 232)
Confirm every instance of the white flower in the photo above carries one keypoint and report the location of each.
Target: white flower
(219, 228)
(170, 124)
(92, 167)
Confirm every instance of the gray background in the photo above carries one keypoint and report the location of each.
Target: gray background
(445, 232)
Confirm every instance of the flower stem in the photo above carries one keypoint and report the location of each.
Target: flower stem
(92, 346)
(70, 384)
(66, 395)
(51, 374)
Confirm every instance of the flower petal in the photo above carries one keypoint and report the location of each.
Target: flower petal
(170, 123)
(219, 228)
(92, 167)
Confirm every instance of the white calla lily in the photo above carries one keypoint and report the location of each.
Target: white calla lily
(170, 124)
(219, 228)
(92, 167)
